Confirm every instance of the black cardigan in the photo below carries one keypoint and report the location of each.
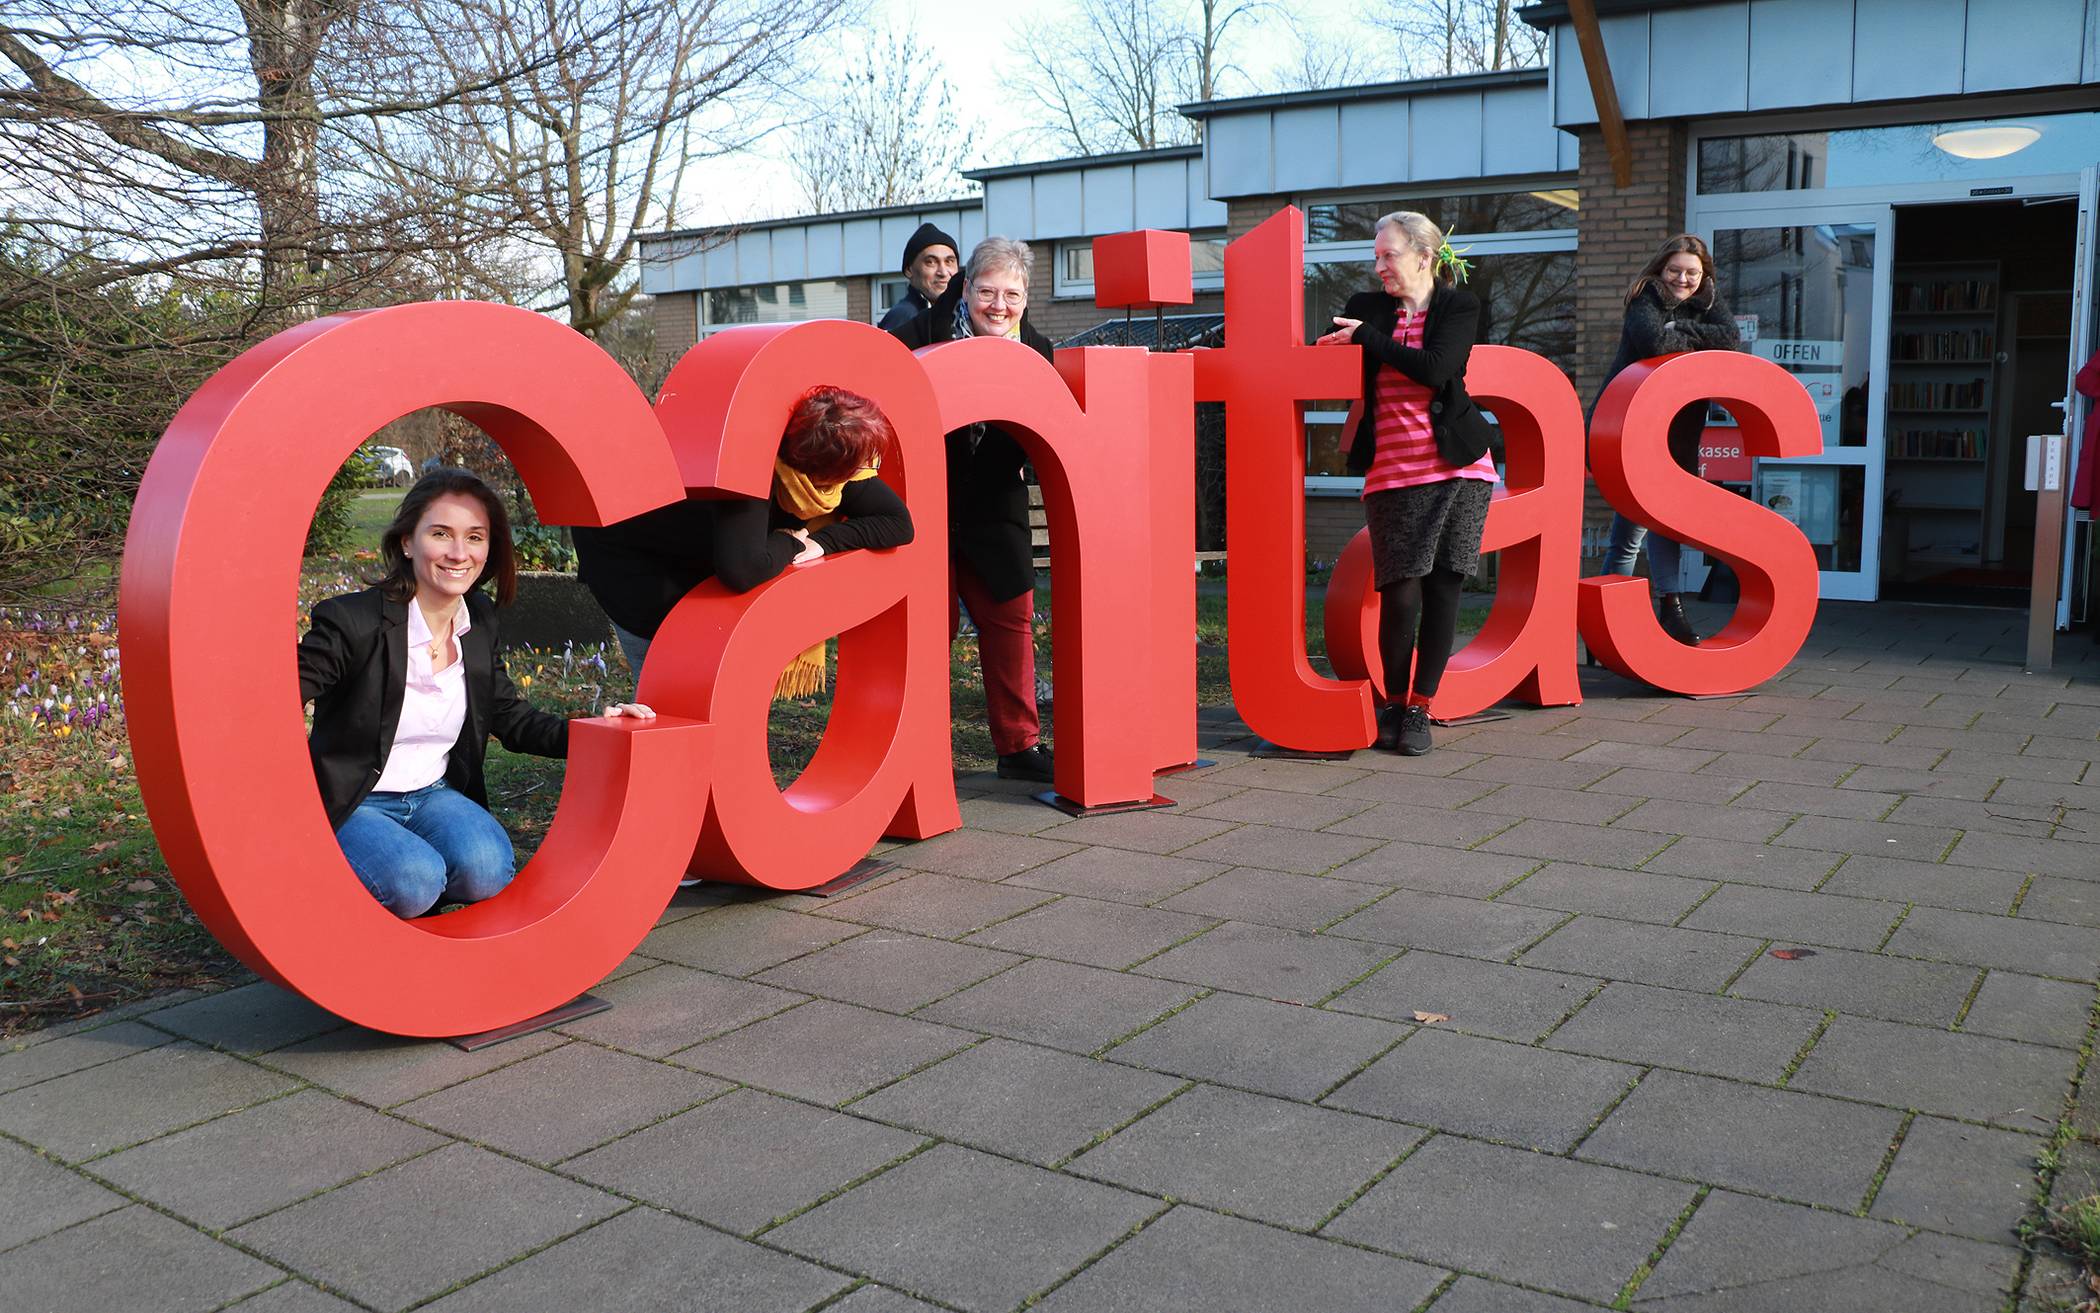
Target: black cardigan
(1700, 322)
(987, 499)
(353, 666)
(1450, 328)
(639, 568)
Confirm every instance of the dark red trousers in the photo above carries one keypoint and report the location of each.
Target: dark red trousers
(1005, 655)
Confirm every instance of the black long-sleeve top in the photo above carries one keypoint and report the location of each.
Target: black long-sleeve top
(1700, 322)
(638, 569)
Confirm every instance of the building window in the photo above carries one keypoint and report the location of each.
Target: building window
(888, 292)
(772, 303)
(1075, 265)
(1486, 212)
(1892, 156)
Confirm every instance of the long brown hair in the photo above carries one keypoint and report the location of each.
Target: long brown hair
(1651, 273)
(398, 579)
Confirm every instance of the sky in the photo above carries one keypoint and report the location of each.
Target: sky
(977, 62)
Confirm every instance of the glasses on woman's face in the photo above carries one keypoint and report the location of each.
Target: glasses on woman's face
(1689, 277)
(991, 296)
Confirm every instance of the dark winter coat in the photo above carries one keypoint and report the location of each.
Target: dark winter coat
(909, 307)
(353, 666)
(1450, 330)
(1700, 322)
(987, 500)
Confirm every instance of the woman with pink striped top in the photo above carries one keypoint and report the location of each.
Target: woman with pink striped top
(1422, 447)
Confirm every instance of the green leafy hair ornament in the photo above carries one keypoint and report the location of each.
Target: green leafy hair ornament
(1451, 264)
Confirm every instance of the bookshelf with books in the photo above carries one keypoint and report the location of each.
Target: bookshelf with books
(1943, 359)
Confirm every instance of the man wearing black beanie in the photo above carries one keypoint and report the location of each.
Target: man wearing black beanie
(929, 262)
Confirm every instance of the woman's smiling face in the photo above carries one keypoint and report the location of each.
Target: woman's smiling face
(449, 547)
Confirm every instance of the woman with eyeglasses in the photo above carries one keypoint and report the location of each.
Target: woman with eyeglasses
(1673, 305)
(990, 564)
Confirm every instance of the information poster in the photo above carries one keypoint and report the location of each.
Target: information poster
(1805, 495)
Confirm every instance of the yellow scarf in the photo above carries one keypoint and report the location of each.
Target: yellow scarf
(816, 505)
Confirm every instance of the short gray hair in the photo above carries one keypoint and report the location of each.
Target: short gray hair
(1001, 253)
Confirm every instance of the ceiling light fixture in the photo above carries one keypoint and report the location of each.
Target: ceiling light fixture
(1986, 141)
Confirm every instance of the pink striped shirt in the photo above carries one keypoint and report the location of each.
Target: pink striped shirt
(1406, 455)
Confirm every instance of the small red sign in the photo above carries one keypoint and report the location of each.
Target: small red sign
(1721, 456)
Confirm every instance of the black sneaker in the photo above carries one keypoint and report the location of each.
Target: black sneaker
(1028, 764)
(1389, 728)
(1414, 731)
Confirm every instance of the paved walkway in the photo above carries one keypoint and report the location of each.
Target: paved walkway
(1769, 1003)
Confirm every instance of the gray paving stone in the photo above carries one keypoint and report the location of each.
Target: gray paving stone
(31, 1062)
(1825, 919)
(2008, 766)
(1779, 1142)
(1481, 998)
(1277, 848)
(1018, 1100)
(1751, 767)
(2020, 1086)
(131, 1259)
(1275, 898)
(1929, 783)
(1863, 984)
(825, 1052)
(1593, 844)
(1688, 1031)
(1065, 1006)
(1645, 756)
(1922, 843)
(1980, 817)
(1650, 954)
(1935, 884)
(1009, 813)
(1814, 800)
(1473, 1295)
(2053, 898)
(1487, 1088)
(2001, 852)
(2013, 1006)
(943, 906)
(889, 971)
(1498, 740)
(1629, 895)
(1298, 811)
(1971, 1180)
(1633, 782)
(876, 1299)
(1769, 739)
(371, 1239)
(1423, 825)
(744, 1160)
(1527, 770)
(1191, 1259)
(1289, 776)
(249, 1020)
(1290, 966)
(1093, 932)
(966, 1228)
(1740, 1253)
(42, 1197)
(1857, 751)
(384, 1070)
(1414, 790)
(558, 1104)
(644, 1261)
(1736, 823)
(1747, 863)
(742, 938)
(1434, 870)
(1271, 1048)
(226, 1171)
(1448, 924)
(1527, 1217)
(981, 854)
(1145, 831)
(1534, 802)
(293, 1297)
(1118, 876)
(100, 1109)
(667, 1008)
(2009, 943)
(1249, 1155)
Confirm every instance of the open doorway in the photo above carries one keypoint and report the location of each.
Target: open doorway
(1980, 326)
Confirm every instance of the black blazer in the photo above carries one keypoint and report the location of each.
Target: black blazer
(987, 499)
(353, 666)
(1450, 328)
(1700, 322)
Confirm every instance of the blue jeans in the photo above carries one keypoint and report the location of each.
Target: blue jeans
(413, 850)
(635, 648)
(1665, 557)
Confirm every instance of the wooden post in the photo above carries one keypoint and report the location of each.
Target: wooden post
(1583, 14)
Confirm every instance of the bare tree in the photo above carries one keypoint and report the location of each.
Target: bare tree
(1329, 58)
(1442, 37)
(1110, 76)
(890, 135)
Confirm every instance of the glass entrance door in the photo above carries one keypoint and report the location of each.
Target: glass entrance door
(1810, 292)
(2085, 344)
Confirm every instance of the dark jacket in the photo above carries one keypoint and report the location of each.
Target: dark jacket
(1700, 322)
(1450, 329)
(353, 666)
(909, 307)
(638, 569)
(987, 500)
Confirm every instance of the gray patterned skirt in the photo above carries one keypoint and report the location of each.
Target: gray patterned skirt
(1427, 526)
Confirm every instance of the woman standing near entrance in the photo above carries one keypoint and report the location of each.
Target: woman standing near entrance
(1422, 447)
(1673, 305)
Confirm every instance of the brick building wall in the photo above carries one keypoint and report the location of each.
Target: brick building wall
(860, 302)
(676, 317)
(1246, 213)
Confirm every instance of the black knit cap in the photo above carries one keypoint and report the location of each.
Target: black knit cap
(928, 235)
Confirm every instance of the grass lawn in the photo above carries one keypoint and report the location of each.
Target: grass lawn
(89, 917)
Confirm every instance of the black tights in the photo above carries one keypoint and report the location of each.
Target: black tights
(1430, 605)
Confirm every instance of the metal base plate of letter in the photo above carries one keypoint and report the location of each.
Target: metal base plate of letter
(1199, 763)
(867, 868)
(1052, 798)
(583, 1005)
(1267, 750)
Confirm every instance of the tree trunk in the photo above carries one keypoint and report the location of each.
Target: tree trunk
(284, 39)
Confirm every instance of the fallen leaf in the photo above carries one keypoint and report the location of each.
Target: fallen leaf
(1431, 1018)
(102, 847)
(140, 887)
(1789, 954)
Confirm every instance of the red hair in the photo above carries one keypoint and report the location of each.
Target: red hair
(831, 433)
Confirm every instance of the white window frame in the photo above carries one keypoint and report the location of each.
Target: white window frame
(876, 309)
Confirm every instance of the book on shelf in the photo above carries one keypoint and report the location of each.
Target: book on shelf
(1924, 395)
(1935, 444)
(1948, 295)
